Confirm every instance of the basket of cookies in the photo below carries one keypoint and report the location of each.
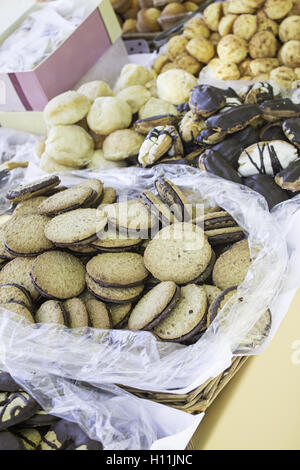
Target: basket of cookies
(128, 293)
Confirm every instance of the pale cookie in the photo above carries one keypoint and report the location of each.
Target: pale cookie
(33, 189)
(118, 295)
(232, 49)
(174, 86)
(66, 108)
(19, 308)
(119, 314)
(51, 311)
(95, 89)
(99, 316)
(135, 96)
(109, 114)
(122, 144)
(17, 271)
(65, 201)
(232, 266)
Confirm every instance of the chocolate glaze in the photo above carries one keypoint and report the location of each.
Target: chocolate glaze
(9, 441)
(291, 129)
(213, 162)
(266, 186)
(289, 178)
(71, 437)
(210, 137)
(273, 131)
(206, 99)
(280, 108)
(18, 413)
(275, 162)
(7, 383)
(258, 95)
(235, 119)
(233, 145)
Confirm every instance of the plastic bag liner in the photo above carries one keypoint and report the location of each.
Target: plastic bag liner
(76, 374)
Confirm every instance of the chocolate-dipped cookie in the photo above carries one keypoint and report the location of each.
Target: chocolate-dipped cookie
(7, 383)
(65, 435)
(272, 131)
(289, 178)
(291, 129)
(235, 119)
(212, 162)
(266, 186)
(15, 408)
(33, 189)
(279, 108)
(206, 100)
(233, 145)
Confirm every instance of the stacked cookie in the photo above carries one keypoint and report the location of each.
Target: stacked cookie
(240, 39)
(31, 428)
(250, 138)
(154, 262)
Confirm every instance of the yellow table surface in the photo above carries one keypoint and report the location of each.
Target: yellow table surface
(260, 407)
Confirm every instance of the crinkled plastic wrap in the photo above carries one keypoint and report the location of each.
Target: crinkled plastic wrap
(78, 374)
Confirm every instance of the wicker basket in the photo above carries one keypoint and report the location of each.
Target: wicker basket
(197, 400)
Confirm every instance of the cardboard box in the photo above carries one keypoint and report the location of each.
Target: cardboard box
(65, 67)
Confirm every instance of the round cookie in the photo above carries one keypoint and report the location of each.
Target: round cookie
(14, 292)
(225, 235)
(245, 26)
(277, 9)
(290, 53)
(4, 255)
(122, 144)
(219, 303)
(109, 197)
(68, 200)
(157, 107)
(119, 314)
(17, 271)
(193, 28)
(283, 76)
(176, 46)
(78, 227)
(186, 318)
(58, 275)
(263, 45)
(212, 293)
(76, 313)
(99, 316)
(25, 235)
(29, 207)
(232, 49)
(135, 96)
(157, 207)
(174, 198)
(113, 242)
(201, 49)
(174, 86)
(117, 269)
(95, 89)
(97, 188)
(258, 333)
(66, 108)
(10, 402)
(154, 306)
(179, 253)
(33, 189)
(212, 15)
(109, 114)
(51, 311)
(232, 266)
(118, 295)
(19, 308)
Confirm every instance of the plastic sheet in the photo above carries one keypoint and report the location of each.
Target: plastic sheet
(73, 373)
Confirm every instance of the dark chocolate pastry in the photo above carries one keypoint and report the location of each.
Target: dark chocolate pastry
(289, 178)
(7, 383)
(291, 129)
(16, 408)
(233, 145)
(65, 435)
(210, 137)
(259, 92)
(206, 100)
(144, 126)
(235, 119)
(266, 186)
(272, 131)
(279, 108)
(10, 441)
(213, 162)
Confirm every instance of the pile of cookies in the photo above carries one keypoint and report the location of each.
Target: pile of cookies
(81, 258)
(151, 16)
(250, 138)
(240, 40)
(31, 428)
(93, 126)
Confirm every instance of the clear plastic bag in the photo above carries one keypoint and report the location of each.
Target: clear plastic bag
(73, 373)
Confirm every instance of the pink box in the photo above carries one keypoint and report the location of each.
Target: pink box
(63, 69)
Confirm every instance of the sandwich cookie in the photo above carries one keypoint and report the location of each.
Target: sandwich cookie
(212, 293)
(68, 200)
(157, 208)
(272, 131)
(187, 318)
(78, 227)
(267, 158)
(25, 235)
(118, 269)
(14, 293)
(154, 306)
(19, 308)
(15, 408)
(17, 272)
(179, 253)
(33, 189)
(266, 186)
(235, 119)
(65, 435)
(119, 314)
(4, 255)
(51, 311)
(58, 275)
(222, 236)
(98, 190)
(289, 178)
(258, 334)
(98, 314)
(291, 128)
(232, 266)
(279, 108)
(29, 207)
(117, 295)
(109, 197)
(172, 195)
(215, 220)
(222, 299)
(76, 313)
(7, 383)
(113, 241)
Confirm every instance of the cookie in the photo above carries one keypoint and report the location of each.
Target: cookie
(215, 220)
(33, 189)
(232, 146)
(160, 141)
(279, 108)
(14, 292)
(58, 275)
(232, 49)
(30, 206)
(19, 308)
(76, 313)
(266, 158)
(119, 314)
(12, 402)
(154, 306)
(25, 235)
(258, 334)
(223, 236)
(235, 119)
(266, 186)
(201, 49)
(117, 269)
(99, 315)
(109, 197)
(10, 441)
(172, 195)
(17, 271)
(66, 108)
(78, 227)
(144, 126)
(68, 200)
(212, 293)
(113, 241)
(7, 383)
(174, 86)
(225, 296)
(98, 189)
(109, 114)
(122, 144)
(51, 311)
(179, 253)
(157, 207)
(186, 318)
(232, 266)
(291, 128)
(118, 295)
(289, 178)
(272, 131)
(31, 438)
(65, 435)
(213, 162)
(206, 100)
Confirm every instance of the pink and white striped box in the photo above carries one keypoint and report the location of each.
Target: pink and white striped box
(64, 68)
